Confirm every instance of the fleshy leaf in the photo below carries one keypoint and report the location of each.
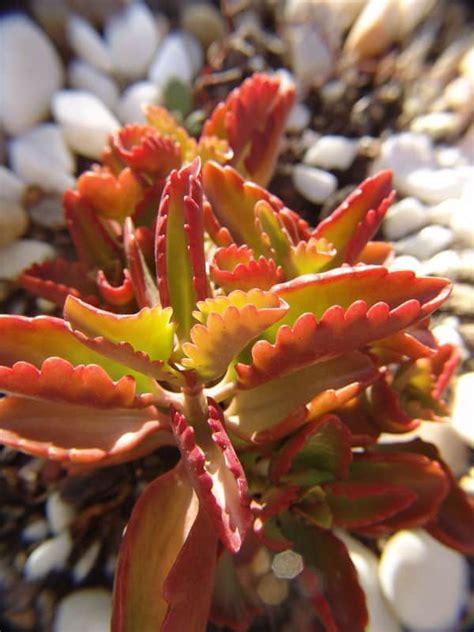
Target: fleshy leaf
(354, 306)
(159, 559)
(311, 256)
(55, 280)
(217, 475)
(354, 223)
(80, 434)
(387, 413)
(233, 202)
(323, 445)
(95, 245)
(179, 246)
(164, 123)
(116, 295)
(376, 253)
(150, 330)
(277, 408)
(235, 267)
(215, 344)
(359, 504)
(252, 119)
(415, 472)
(330, 578)
(146, 292)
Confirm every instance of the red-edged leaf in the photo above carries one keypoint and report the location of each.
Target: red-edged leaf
(162, 561)
(337, 311)
(444, 364)
(357, 416)
(273, 502)
(116, 295)
(235, 268)
(57, 380)
(242, 316)
(376, 253)
(143, 149)
(356, 221)
(164, 123)
(252, 119)
(80, 434)
(179, 246)
(217, 475)
(275, 409)
(387, 412)
(96, 247)
(415, 472)
(407, 343)
(330, 578)
(322, 447)
(55, 280)
(233, 201)
(359, 504)
(146, 292)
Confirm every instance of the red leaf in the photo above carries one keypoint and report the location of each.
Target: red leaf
(387, 413)
(146, 292)
(217, 475)
(235, 268)
(118, 295)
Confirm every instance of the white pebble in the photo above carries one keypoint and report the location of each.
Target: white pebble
(287, 564)
(130, 107)
(60, 514)
(298, 118)
(443, 212)
(426, 243)
(85, 610)
(434, 185)
(85, 122)
(36, 530)
(172, 60)
(196, 54)
(85, 563)
(41, 157)
(466, 65)
(462, 223)
(424, 581)
(272, 590)
(459, 93)
(406, 262)
(437, 124)
(13, 221)
(332, 152)
(83, 76)
(132, 36)
(18, 255)
(463, 406)
(11, 187)
(447, 333)
(403, 218)
(452, 449)
(381, 619)
(314, 184)
(447, 156)
(30, 72)
(445, 263)
(87, 44)
(49, 556)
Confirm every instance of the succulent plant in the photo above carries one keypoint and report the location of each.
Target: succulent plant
(204, 314)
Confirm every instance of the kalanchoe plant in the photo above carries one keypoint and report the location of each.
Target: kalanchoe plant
(271, 354)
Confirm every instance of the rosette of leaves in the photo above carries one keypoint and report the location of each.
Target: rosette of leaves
(272, 355)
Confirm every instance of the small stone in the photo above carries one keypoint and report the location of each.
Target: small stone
(48, 212)
(443, 212)
(461, 301)
(86, 562)
(35, 531)
(463, 406)
(196, 54)
(287, 564)
(271, 590)
(135, 97)
(448, 333)
(406, 262)
(452, 449)
(85, 610)
(204, 21)
(332, 152)
(434, 185)
(41, 157)
(83, 76)
(466, 269)
(462, 223)
(85, 122)
(445, 263)
(381, 619)
(49, 556)
(299, 118)
(87, 44)
(19, 255)
(425, 582)
(448, 157)
(13, 221)
(314, 184)
(171, 60)
(466, 65)
(132, 29)
(30, 73)
(459, 93)
(60, 514)
(438, 124)
(11, 187)
(426, 243)
(261, 562)
(403, 218)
